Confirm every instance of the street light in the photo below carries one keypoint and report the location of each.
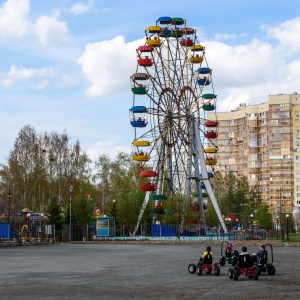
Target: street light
(277, 226)
(251, 218)
(70, 229)
(9, 196)
(28, 225)
(287, 227)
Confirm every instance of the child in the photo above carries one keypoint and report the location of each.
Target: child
(229, 250)
(261, 256)
(206, 256)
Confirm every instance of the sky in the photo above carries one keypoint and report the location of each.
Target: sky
(66, 65)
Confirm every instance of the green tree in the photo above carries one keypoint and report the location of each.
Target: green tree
(211, 217)
(55, 215)
(263, 216)
(119, 183)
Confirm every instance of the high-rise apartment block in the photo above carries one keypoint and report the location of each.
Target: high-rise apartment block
(262, 142)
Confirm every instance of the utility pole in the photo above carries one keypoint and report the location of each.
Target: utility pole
(70, 230)
(9, 196)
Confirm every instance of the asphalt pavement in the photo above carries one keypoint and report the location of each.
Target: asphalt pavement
(135, 271)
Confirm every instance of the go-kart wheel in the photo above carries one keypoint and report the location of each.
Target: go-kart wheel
(222, 261)
(259, 270)
(199, 270)
(230, 273)
(256, 274)
(217, 271)
(271, 270)
(235, 274)
(192, 268)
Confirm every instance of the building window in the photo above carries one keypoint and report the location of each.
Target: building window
(296, 120)
(298, 179)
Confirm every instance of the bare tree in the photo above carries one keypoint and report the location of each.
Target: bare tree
(41, 167)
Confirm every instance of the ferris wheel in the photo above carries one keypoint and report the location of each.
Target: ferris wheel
(172, 92)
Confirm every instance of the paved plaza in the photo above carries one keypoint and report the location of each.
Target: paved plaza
(135, 271)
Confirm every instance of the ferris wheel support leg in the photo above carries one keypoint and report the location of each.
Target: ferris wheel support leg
(187, 187)
(197, 178)
(206, 180)
(146, 200)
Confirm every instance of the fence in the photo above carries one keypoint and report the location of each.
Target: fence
(25, 233)
(87, 232)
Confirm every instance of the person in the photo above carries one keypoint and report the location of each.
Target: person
(261, 255)
(229, 251)
(206, 256)
(244, 259)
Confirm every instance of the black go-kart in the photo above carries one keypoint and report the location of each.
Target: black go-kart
(263, 265)
(228, 254)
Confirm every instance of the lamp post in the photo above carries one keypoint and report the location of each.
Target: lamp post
(41, 227)
(251, 219)
(9, 196)
(28, 225)
(70, 229)
(287, 227)
(277, 227)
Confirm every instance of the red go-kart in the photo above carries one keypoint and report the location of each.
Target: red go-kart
(244, 267)
(206, 266)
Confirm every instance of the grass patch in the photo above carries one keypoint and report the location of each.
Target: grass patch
(294, 237)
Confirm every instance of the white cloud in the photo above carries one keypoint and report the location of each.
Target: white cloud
(79, 8)
(228, 36)
(108, 65)
(245, 64)
(104, 147)
(248, 73)
(49, 76)
(41, 85)
(51, 30)
(14, 20)
(287, 34)
(16, 73)
(66, 81)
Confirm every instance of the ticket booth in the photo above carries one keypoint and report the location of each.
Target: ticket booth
(106, 226)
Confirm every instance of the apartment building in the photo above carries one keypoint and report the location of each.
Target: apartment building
(262, 142)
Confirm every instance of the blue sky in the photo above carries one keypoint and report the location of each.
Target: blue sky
(65, 65)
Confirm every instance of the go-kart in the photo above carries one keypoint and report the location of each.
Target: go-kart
(244, 267)
(206, 266)
(263, 265)
(228, 254)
